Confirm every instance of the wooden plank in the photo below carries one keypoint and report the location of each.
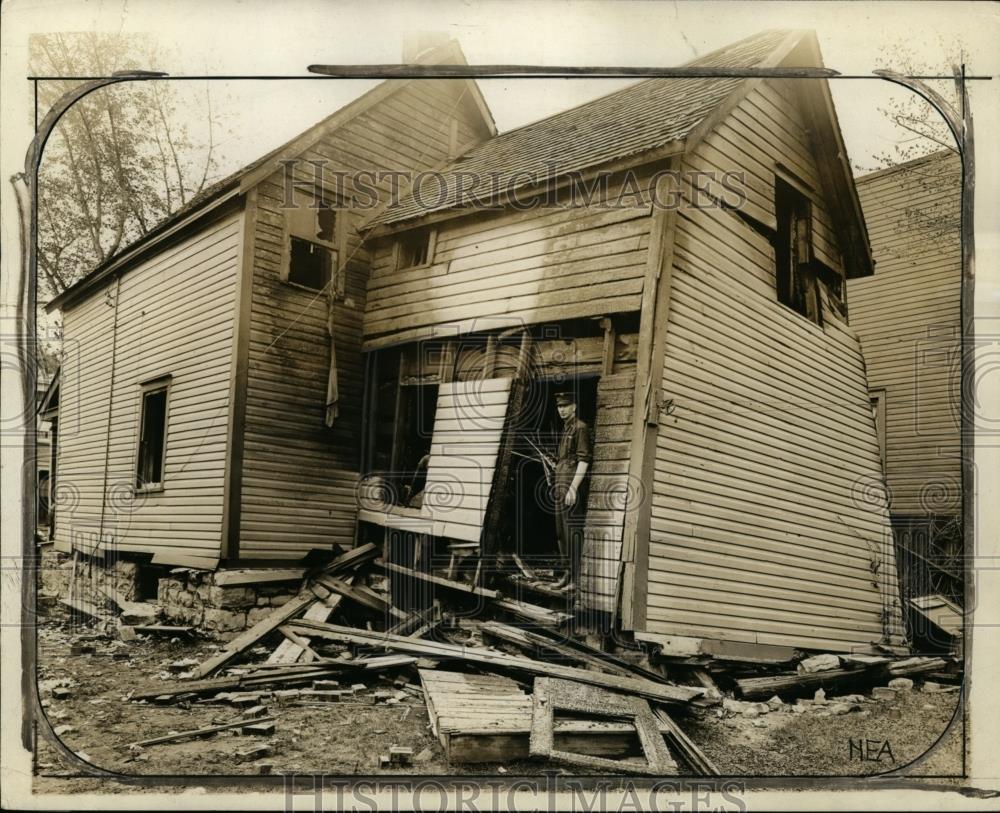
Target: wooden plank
(201, 732)
(664, 693)
(439, 581)
(487, 718)
(696, 759)
(796, 683)
(648, 398)
(360, 595)
(248, 638)
(232, 578)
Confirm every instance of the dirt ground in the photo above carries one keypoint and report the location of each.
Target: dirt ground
(347, 738)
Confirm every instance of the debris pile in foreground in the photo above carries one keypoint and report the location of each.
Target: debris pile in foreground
(508, 681)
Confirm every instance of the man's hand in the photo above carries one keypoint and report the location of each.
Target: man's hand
(570, 498)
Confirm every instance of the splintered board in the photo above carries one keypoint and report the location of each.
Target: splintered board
(487, 718)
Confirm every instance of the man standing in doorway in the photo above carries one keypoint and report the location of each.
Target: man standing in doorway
(572, 463)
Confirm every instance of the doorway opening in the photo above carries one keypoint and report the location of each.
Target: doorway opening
(532, 506)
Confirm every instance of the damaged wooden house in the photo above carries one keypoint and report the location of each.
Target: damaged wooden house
(211, 387)
(676, 253)
(251, 384)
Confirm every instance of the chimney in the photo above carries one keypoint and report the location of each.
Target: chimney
(417, 43)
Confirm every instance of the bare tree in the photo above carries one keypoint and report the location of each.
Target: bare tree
(120, 160)
(923, 129)
(935, 186)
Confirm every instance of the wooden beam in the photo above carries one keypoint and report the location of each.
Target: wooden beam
(532, 612)
(232, 498)
(662, 693)
(684, 745)
(233, 578)
(608, 361)
(440, 581)
(248, 638)
(647, 400)
(496, 507)
(201, 732)
(361, 595)
(796, 683)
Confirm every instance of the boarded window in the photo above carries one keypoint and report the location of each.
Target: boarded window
(312, 242)
(795, 270)
(152, 437)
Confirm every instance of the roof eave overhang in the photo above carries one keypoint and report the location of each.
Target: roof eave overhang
(123, 262)
(527, 191)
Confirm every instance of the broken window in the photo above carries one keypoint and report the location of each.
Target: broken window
(795, 270)
(416, 248)
(312, 242)
(152, 435)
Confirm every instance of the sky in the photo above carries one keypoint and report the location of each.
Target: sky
(226, 37)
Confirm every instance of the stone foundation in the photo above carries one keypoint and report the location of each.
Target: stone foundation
(182, 596)
(95, 578)
(191, 597)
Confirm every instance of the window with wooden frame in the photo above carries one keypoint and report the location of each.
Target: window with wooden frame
(416, 248)
(311, 244)
(151, 454)
(795, 269)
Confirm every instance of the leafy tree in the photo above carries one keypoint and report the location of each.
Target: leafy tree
(120, 160)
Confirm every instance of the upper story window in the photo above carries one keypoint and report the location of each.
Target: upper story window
(152, 435)
(416, 248)
(312, 242)
(797, 284)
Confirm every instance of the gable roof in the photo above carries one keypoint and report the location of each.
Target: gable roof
(629, 122)
(249, 175)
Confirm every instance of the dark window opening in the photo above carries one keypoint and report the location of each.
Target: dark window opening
(412, 447)
(152, 438)
(310, 264)
(312, 249)
(795, 269)
(400, 417)
(414, 248)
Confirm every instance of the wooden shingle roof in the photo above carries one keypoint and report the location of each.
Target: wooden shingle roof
(628, 122)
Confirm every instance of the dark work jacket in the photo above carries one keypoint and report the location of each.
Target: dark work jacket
(574, 447)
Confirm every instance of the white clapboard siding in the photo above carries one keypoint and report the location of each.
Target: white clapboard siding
(464, 455)
(610, 494)
(513, 267)
(176, 313)
(768, 506)
(907, 316)
(300, 477)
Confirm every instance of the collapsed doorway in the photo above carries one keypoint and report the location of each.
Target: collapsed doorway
(530, 505)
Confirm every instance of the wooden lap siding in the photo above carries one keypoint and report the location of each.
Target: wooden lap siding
(175, 316)
(610, 494)
(768, 505)
(300, 477)
(907, 316)
(513, 268)
(468, 426)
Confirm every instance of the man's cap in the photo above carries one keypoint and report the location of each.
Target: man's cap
(565, 397)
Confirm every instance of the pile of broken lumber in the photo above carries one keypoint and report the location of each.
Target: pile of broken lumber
(491, 687)
(501, 679)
